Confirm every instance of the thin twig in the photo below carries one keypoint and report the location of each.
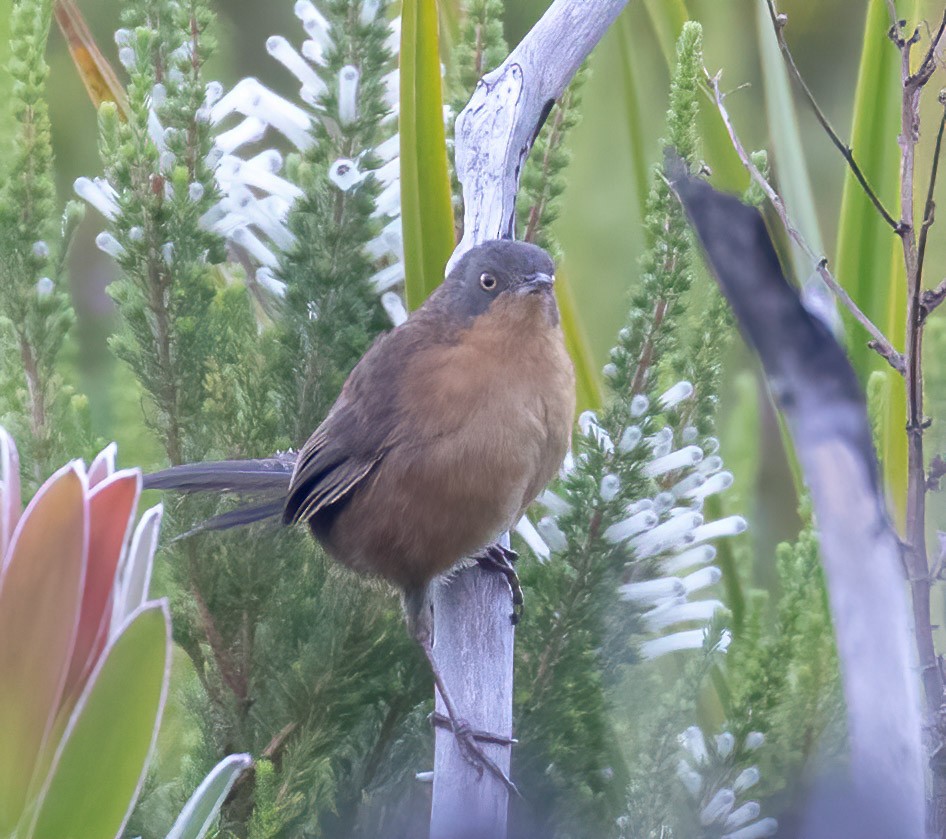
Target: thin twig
(929, 211)
(879, 341)
(928, 65)
(778, 23)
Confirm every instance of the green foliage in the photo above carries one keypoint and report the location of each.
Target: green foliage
(45, 413)
(666, 266)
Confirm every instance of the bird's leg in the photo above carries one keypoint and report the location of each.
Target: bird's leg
(497, 557)
(419, 616)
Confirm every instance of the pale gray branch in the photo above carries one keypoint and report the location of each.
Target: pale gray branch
(473, 635)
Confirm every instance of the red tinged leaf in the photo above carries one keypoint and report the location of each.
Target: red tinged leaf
(40, 596)
(103, 465)
(112, 506)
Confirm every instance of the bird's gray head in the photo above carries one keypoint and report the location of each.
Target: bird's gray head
(495, 270)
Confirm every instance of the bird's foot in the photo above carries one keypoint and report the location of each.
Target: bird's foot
(472, 752)
(499, 558)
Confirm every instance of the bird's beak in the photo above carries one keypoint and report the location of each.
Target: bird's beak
(537, 282)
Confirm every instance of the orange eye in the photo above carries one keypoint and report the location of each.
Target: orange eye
(487, 282)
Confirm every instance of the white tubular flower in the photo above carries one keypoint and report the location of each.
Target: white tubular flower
(392, 88)
(743, 815)
(729, 526)
(754, 740)
(609, 488)
(109, 244)
(716, 483)
(680, 611)
(552, 534)
(694, 742)
(718, 807)
(685, 486)
(248, 130)
(701, 555)
(725, 742)
(99, 193)
(345, 175)
(532, 538)
(389, 149)
(758, 830)
(394, 307)
(631, 526)
(692, 639)
(680, 459)
(652, 591)
(747, 779)
(388, 202)
(630, 438)
(675, 395)
(393, 41)
(555, 504)
(369, 11)
(692, 781)
(676, 531)
(315, 24)
(385, 278)
(261, 215)
(280, 49)
(348, 94)
(250, 98)
(639, 405)
(246, 239)
(711, 464)
(267, 279)
(44, 287)
(704, 578)
(390, 172)
(232, 171)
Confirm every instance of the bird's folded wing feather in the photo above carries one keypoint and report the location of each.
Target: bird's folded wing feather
(362, 425)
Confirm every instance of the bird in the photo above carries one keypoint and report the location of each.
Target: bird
(444, 432)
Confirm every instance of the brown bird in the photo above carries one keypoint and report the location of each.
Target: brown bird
(445, 431)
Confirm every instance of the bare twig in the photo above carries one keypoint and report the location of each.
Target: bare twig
(879, 341)
(929, 211)
(778, 22)
(932, 298)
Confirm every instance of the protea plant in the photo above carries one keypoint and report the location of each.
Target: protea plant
(84, 655)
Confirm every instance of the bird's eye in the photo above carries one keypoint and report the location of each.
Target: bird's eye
(487, 282)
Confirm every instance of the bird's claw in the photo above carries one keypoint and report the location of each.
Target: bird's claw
(496, 557)
(466, 737)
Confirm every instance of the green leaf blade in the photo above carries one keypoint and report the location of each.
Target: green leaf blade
(96, 775)
(426, 200)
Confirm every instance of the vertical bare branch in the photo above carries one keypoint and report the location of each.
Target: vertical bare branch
(474, 638)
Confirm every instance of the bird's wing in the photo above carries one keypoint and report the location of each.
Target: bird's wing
(327, 469)
(363, 423)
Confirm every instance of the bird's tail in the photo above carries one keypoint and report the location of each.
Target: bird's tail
(265, 480)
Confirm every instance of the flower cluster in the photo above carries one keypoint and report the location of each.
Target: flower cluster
(665, 535)
(712, 775)
(255, 193)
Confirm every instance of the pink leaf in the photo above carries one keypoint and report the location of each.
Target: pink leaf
(111, 514)
(103, 465)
